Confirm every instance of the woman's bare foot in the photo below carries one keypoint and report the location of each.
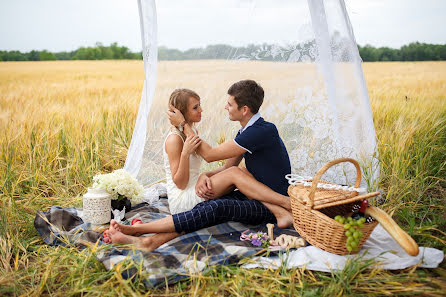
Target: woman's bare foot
(117, 237)
(148, 244)
(125, 229)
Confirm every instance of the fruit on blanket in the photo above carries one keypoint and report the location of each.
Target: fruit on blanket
(352, 231)
(105, 236)
(136, 221)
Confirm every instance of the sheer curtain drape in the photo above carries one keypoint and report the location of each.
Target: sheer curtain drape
(308, 64)
(149, 30)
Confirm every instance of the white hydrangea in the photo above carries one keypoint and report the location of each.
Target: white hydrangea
(119, 182)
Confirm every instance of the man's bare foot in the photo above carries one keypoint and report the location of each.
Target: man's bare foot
(143, 243)
(287, 204)
(284, 218)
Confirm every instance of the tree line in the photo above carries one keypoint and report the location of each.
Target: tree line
(97, 52)
(415, 51)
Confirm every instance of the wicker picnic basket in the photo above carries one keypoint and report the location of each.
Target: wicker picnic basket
(314, 208)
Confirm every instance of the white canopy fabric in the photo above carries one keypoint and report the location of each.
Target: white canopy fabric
(308, 64)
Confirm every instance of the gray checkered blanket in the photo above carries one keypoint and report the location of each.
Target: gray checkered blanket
(171, 262)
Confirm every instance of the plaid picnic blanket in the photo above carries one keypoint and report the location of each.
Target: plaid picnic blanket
(172, 261)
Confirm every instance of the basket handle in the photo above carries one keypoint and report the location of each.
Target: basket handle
(324, 168)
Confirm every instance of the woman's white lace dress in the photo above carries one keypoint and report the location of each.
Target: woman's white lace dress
(182, 200)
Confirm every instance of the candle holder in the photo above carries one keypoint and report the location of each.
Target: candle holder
(97, 206)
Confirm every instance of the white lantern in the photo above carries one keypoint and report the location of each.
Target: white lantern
(97, 206)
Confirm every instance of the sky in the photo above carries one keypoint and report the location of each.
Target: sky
(65, 25)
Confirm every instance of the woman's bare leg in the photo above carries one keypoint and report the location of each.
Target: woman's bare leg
(248, 185)
(148, 244)
(164, 225)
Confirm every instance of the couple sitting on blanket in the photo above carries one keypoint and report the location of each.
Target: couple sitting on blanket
(252, 195)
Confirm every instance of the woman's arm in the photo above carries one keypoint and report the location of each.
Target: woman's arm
(224, 151)
(178, 154)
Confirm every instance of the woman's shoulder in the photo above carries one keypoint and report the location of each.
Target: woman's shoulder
(174, 141)
(178, 134)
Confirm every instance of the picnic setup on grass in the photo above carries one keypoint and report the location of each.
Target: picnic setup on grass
(316, 96)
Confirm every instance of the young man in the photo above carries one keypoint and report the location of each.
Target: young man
(266, 160)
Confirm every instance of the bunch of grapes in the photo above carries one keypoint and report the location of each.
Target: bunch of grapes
(352, 231)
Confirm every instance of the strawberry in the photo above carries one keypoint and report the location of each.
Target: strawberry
(136, 221)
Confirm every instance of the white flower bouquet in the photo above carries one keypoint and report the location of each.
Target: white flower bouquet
(120, 185)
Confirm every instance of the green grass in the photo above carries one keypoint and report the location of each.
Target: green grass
(49, 160)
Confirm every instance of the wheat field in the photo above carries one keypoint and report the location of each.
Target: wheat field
(62, 122)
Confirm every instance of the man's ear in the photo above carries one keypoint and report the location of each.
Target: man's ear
(246, 110)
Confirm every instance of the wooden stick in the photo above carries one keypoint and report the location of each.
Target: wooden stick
(270, 228)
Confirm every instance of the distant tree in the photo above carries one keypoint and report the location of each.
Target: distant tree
(417, 52)
(442, 51)
(105, 52)
(64, 55)
(13, 56)
(165, 53)
(46, 56)
(84, 53)
(368, 53)
(120, 52)
(34, 55)
(387, 54)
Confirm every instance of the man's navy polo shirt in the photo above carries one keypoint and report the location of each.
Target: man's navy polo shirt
(266, 157)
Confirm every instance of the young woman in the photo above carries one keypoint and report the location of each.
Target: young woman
(181, 162)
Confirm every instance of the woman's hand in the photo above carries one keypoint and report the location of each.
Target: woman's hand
(175, 116)
(203, 188)
(191, 144)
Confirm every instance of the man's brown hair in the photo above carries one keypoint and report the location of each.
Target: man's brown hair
(249, 93)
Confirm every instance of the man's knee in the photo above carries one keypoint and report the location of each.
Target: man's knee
(237, 171)
(245, 171)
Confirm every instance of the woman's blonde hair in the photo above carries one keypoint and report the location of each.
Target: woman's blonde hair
(180, 97)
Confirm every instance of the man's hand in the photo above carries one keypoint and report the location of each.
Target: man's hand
(190, 144)
(203, 188)
(175, 116)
